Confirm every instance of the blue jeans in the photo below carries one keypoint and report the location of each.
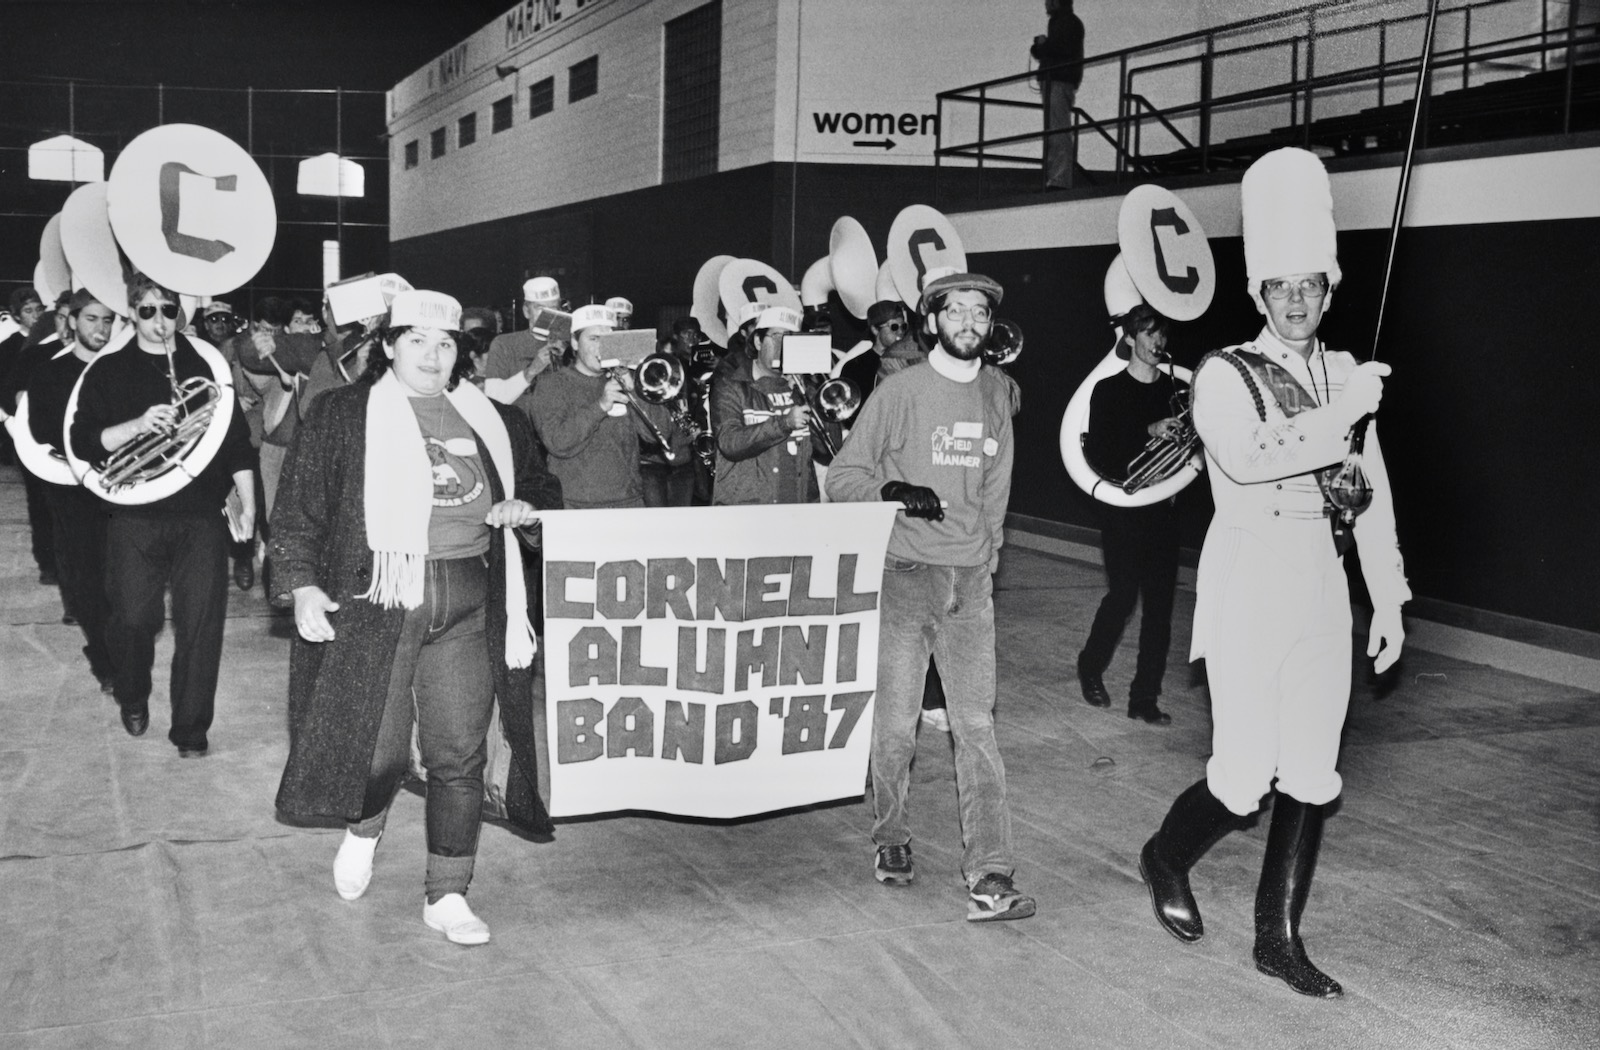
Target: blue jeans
(442, 678)
(946, 612)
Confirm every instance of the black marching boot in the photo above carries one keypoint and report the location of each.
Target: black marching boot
(1281, 897)
(1193, 824)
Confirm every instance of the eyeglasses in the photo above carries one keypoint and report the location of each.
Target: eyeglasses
(168, 310)
(978, 314)
(1309, 288)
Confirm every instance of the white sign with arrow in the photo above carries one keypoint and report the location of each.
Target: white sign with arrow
(880, 131)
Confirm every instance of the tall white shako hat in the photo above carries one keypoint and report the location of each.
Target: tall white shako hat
(1287, 207)
(541, 290)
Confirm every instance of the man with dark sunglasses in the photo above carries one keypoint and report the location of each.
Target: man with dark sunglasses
(181, 540)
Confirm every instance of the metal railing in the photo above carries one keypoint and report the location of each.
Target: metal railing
(1298, 37)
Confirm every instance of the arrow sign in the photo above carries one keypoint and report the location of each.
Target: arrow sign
(885, 144)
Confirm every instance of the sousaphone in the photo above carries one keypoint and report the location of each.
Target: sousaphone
(189, 208)
(1165, 261)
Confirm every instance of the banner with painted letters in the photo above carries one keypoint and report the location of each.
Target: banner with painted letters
(710, 661)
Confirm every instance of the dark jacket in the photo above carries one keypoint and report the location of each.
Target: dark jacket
(754, 464)
(1062, 48)
(337, 689)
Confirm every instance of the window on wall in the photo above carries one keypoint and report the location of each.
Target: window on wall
(500, 114)
(437, 143)
(542, 97)
(411, 154)
(583, 79)
(467, 130)
(692, 94)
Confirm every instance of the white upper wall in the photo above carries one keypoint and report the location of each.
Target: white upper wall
(866, 70)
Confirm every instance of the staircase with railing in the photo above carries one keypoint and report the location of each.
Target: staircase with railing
(1336, 77)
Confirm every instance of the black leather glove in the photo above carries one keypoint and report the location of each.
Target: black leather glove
(920, 502)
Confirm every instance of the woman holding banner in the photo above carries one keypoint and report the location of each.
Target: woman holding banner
(393, 533)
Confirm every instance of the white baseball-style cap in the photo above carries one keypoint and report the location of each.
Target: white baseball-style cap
(779, 318)
(750, 311)
(591, 316)
(543, 290)
(620, 305)
(420, 309)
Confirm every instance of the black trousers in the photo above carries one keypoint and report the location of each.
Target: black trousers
(78, 522)
(39, 523)
(146, 553)
(1141, 555)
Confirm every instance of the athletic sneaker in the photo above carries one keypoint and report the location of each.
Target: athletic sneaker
(995, 898)
(936, 718)
(893, 865)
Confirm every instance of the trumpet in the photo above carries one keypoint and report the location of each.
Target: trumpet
(831, 401)
(1162, 457)
(658, 379)
(157, 453)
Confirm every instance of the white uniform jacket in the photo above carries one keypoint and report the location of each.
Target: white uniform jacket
(1263, 480)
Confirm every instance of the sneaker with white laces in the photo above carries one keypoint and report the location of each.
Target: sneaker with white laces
(451, 916)
(352, 868)
(892, 865)
(994, 897)
(936, 718)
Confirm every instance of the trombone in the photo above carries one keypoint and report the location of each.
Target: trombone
(831, 401)
(657, 379)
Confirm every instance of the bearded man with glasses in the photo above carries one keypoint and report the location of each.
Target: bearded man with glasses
(181, 540)
(937, 438)
(1272, 611)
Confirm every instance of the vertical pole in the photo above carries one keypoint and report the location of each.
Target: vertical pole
(1207, 72)
(1294, 82)
(72, 126)
(1311, 67)
(250, 148)
(161, 104)
(1572, 57)
(983, 109)
(338, 149)
(1383, 57)
(1466, 45)
(1122, 116)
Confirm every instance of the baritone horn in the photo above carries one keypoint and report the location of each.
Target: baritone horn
(150, 456)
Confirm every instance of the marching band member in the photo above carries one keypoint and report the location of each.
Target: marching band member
(275, 357)
(394, 536)
(517, 358)
(933, 436)
(38, 341)
(181, 540)
(581, 412)
(1140, 544)
(1272, 615)
(624, 311)
(78, 519)
(698, 356)
(762, 427)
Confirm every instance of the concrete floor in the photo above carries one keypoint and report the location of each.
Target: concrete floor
(148, 902)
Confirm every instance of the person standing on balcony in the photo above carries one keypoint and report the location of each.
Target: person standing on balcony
(1059, 51)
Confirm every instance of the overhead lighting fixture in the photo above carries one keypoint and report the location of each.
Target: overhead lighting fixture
(330, 175)
(66, 159)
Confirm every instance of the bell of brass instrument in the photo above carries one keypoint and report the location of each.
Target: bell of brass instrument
(1005, 343)
(158, 453)
(831, 401)
(658, 379)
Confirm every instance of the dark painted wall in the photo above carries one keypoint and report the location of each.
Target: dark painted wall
(1489, 423)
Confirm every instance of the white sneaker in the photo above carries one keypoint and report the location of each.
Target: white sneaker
(352, 868)
(936, 718)
(452, 917)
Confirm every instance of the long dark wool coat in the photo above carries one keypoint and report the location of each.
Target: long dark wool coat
(337, 688)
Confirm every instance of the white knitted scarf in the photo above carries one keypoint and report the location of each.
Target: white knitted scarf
(398, 495)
